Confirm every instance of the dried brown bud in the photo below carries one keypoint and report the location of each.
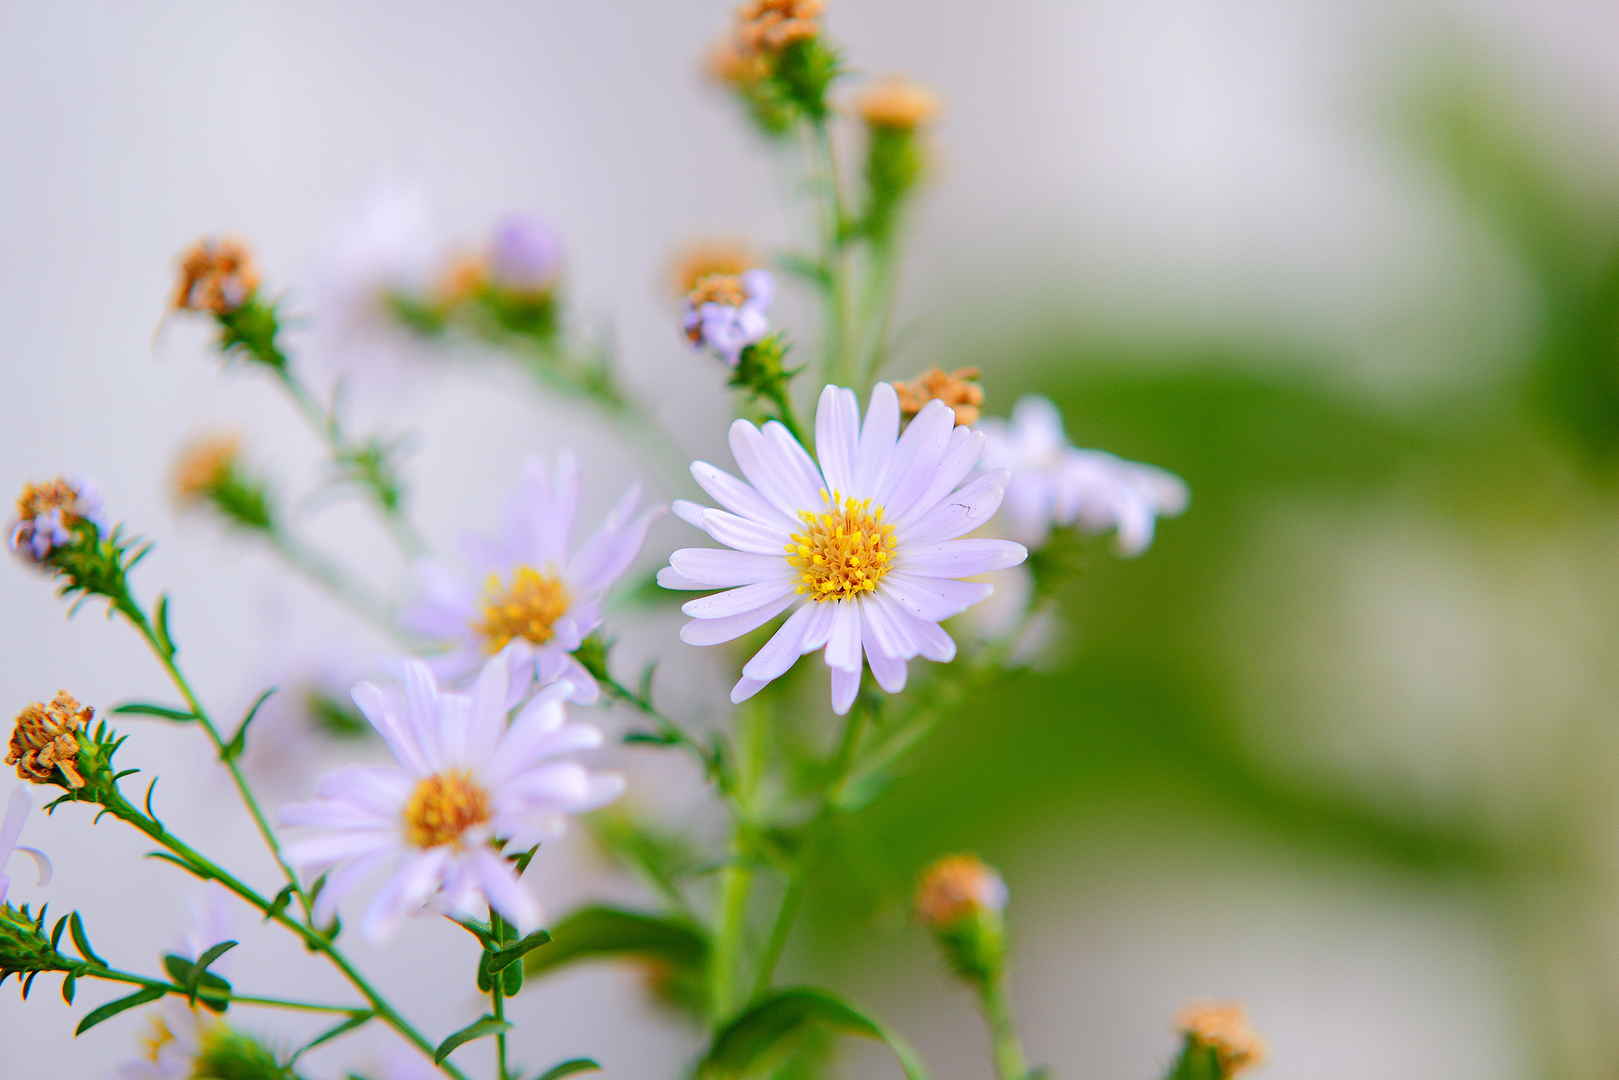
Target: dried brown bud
(45, 741)
(769, 26)
(897, 103)
(958, 389)
(1223, 1029)
(204, 464)
(718, 289)
(730, 64)
(216, 276)
(958, 886)
(47, 514)
(693, 263)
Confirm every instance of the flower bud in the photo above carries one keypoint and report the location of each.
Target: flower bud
(216, 276)
(25, 946)
(45, 741)
(897, 104)
(963, 901)
(525, 256)
(725, 314)
(894, 112)
(958, 389)
(770, 26)
(1222, 1029)
(208, 471)
(49, 514)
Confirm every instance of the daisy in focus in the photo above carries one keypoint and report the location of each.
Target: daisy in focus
(464, 782)
(867, 546)
(1054, 484)
(17, 808)
(527, 597)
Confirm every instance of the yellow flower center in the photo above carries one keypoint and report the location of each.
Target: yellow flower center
(159, 1037)
(527, 609)
(443, 807)
(842, 552)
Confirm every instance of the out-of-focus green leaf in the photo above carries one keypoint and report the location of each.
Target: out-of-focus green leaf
(761, 1032)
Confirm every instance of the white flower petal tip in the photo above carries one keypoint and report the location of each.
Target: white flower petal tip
(1055, 485)
(864, 544)
(463, 778)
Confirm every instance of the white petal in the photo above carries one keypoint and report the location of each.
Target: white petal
(746, 688)
(837, 423)
(877, 441)
(341, 881)
(608, 553)
(405, 894)
(718, 631)
(931, 640)
(963, 450)
(312, 854)
(738, 497)
(718, 568)
(745, 535)
(486, 718)
(377, 708)
(918, 453)
(670, 578)
(804, 481)
(380, 789)
(689, 512)
(795, 637)
(42, 864)
(884, 630)
(421, 712)
(960, 512)
(506, 893)
(738, 601)
(765, 470)
(961, 558)
(932, 598)
(17, 808)
(845, 686)
(843, 643)
(889, 670)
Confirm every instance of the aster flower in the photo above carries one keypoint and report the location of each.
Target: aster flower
(525, 255)
(216, 276)
(725, 313)
(1054, 484)
(189, 1043)
(47, 513)
(463, 782)
(528, 598)
(44, 742)
(865, 547)
(17, 808)
(958, 389)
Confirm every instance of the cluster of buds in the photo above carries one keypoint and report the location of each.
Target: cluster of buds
(216, 276)
(963, 901)
(49, 516)
(776, 61)
(726, 313)
(895, 111)
(26, 947)
(1223, 1033)
(208, 472)
(958, 389)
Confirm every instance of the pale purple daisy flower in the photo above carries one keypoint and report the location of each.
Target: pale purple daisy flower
(1054, 484)
(726, 314)
(524, 595)
(17, 809)
(866, 547)
(180, 1036)
(464, 782)
(47, 513)
(525, 255)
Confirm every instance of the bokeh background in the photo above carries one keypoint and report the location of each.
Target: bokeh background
(1340, 745)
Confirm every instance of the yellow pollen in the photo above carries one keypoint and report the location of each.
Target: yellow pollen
(526, 609)
(443, 807)
(159, 1037)
(842, 552)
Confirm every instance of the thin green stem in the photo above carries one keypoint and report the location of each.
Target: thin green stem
(1010, 1061)
(784, 411)
(164, 651)
(213, 994)
(780, 929)
(839, 361)
(207, 869)
(879, 314)
(736, 882)
(497, 997)
(670, 731)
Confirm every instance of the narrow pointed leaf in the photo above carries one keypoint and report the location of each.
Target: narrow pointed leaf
(113, 1008)
(238, 741)
(335, 1031)
(81, 940)
(569, 1068)
(762, 1031)
(480, 1028)
(147, 708)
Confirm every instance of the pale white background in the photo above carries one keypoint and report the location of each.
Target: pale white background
(1224, 159)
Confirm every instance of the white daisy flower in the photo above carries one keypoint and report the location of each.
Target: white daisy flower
(865, 546)
(464, 782)
(17, 808)
(180, 1035)
(527, 597)
(1054, 484)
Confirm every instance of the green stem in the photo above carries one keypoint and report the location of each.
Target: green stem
(1010, 1062)
(207, 869)
(737, 879)
(206, 993)
(839, 362)
(780, 929)
(668, 729)
(497, 997)
(325, 424)
(880, 305)
(784, 411)
(164, 651)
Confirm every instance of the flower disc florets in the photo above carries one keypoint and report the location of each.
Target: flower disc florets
(842, 552)
(216, 276)
(527, 608)
(958, 389)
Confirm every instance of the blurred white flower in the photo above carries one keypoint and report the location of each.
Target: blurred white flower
(386, 251)
(1054, 484)
(864, 545)
(526, 596)
(17, 810)
(180, 1035)
(463, 780)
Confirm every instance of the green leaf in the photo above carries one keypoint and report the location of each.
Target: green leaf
(763, 1029)
(806, 267)
(146, 708)
(598, 931)
(568, 1068)
(238, 741)
(197, 981)
(279, 904)
(480, 1028)
(69, 986)
(163, 634)
(81, 941)
(333, 1032)
(500, 959)
(113, 1008)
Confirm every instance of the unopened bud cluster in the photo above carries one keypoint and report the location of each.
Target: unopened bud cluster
(45, 741)
(963, 901)
(958, 389)
(208, 471)
(25, 945)
(1224, 1030)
